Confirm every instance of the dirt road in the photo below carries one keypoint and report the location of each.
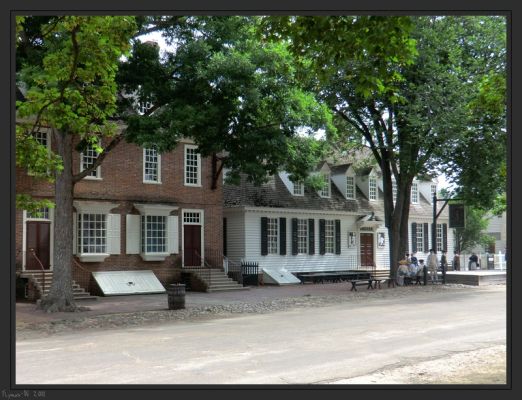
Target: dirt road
(460, 334)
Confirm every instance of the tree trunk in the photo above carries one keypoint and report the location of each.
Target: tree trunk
(60, 297)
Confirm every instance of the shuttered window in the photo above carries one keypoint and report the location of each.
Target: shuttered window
(322, 247)
(337, 236)
(282, 236)
(311, 236)
(302, 236)
(426, 237)
(420, 238)
(413, 233)
(92, 233)
(329, 232)
(264, 236)
(272, 228)
(439, 237)
(445, 237)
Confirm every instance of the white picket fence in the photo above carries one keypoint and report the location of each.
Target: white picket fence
(499, 261)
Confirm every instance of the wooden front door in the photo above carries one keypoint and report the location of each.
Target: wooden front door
(367, 250)
(192, 245)
(38, 237)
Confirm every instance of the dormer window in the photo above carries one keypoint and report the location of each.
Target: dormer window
(372, 186)
(325, 191)
(414, 193)
(350, 187)
(298, 189)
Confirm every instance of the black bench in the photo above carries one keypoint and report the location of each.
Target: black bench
(360, 278)
(382, 275)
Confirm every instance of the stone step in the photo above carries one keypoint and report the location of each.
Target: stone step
(223, 289)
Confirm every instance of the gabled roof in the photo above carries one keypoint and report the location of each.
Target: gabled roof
(274, 194)
(340, 169)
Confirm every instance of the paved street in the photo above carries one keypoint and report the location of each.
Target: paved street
(317, 345)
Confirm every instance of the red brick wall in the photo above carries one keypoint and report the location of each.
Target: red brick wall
(122, 183)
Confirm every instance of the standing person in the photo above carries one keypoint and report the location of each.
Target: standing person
(444, 261)
(433, 264)
(456, 261)
(414, 259)
(473, 261)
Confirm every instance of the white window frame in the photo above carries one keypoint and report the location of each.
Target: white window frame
(372, 188)
(329, 236)
(350, 187)
(298, 189)
(145, 234)
(87, 207)
(415, 193)
(272, 235)
(98, 218)
(47, 144)
(96, 177)
(302, 236)
(420, 238)
(185, 171)
(159, 211)
(158, 166)
(325, 191)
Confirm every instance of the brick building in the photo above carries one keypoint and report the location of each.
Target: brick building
(140, 210)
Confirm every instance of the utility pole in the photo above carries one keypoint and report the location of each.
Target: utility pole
(434, 228)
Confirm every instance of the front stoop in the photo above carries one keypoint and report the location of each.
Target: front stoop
(38, 279)
(215, 279)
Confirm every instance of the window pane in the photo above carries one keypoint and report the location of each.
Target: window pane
(92, 233)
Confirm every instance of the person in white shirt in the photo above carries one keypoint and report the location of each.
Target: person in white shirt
(433, 264)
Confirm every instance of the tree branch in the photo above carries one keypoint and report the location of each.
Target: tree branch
(76, 178)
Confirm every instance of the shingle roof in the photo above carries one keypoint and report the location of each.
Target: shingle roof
(275, 194)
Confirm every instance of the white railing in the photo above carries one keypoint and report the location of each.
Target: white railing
(499, 261)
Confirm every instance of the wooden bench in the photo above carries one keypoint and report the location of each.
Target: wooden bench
(360, 278)
(382, 275)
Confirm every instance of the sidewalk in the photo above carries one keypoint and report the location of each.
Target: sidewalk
(27, 312)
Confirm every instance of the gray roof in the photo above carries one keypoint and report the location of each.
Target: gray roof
(276, 195)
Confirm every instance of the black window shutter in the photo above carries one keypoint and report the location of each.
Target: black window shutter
(322, 247)
(413, 237)
(426, 237)
(294, 236)
(264, 236)
(282, 236)
(337, 236)
(224, 236)
(311, 236)
(445, 237)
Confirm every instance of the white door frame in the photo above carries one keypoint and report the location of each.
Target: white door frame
(25, 219)
(202, 232)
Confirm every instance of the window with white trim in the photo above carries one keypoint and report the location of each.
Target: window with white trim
(298, 188)
(394, 192)
(92, 233)
(433, 190)
(302, 236)
(325, 191)
(153, 234)
(151, 166)
(329, 235)
(87, 159)
(439, 237)
(42, 138)
(372, 188)
(350, 187)
(192, 166)
(272, 229)
(414, 193)
(191, 217)
(41, 213)
(420, 238)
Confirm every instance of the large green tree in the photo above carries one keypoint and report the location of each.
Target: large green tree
(237, 96)
(68, 65)
(413, 113)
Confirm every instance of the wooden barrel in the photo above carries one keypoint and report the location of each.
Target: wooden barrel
(176, 296)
